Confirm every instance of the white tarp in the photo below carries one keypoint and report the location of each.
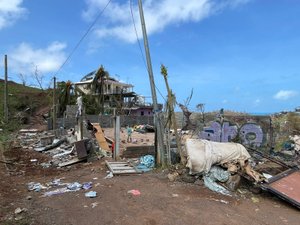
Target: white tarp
(203, 154)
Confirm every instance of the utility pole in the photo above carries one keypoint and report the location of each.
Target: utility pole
(5, 91)
(54, 104)
(159, 131)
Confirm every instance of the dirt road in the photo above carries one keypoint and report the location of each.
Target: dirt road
(160, 201)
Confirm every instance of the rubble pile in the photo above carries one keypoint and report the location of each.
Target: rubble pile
(60, 145)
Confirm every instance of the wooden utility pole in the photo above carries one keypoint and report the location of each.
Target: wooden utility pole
(172, 122)
(5, 91)
(117, 127)
(160, 157)
(54, 103)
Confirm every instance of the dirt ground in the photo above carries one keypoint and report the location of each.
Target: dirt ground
(160, 201)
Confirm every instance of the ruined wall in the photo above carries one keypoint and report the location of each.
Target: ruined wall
(248, 130)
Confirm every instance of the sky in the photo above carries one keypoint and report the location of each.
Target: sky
(239, 55)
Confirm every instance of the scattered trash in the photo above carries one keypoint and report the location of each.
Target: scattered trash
(134, 192)
(87, 185)
(33, 160)
(74, 186)
(175, 195)
(255, 200)
(109, 175)
(219, 200)
(29, 197)
(147, 163)
(91, 194)
(35, 187)
(267, 176)
(45, 165)
(19, 210)
(94, 204)
(216, 173)
(56, 192)
(172, 176)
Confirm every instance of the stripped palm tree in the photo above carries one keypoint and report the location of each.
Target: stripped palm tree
(97, 86)
(64, 95)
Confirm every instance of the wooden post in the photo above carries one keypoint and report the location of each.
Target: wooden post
(117, 137)
(54, 104)
(5, 91)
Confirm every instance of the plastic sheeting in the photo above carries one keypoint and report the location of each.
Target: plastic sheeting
(147, 163)
(215, 174)
(203, 154)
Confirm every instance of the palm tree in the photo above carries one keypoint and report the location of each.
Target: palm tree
(64, 95)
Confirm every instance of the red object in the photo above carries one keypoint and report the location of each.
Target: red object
(112, 147)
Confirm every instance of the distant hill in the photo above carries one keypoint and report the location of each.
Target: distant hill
(22, 101)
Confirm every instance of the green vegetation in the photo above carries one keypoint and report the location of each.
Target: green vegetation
(22, 102)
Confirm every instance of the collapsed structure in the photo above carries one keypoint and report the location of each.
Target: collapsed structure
(112, 94)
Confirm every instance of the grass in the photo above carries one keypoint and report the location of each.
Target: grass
(20, 98)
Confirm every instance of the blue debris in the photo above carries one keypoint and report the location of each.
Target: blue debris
(147, 163)
(91, 194)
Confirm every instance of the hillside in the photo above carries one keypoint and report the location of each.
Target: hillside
(24, 103)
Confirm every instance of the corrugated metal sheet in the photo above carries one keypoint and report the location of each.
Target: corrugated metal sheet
(286, 185)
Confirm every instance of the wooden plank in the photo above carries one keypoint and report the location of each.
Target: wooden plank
(121, 168)
(70, 162)
(100, 137)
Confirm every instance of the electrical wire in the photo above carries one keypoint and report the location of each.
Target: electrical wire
(140, 47)
(83, 37)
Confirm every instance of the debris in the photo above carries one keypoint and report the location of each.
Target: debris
(134, 192)
(91, 194)
(74, 186)
(87, 185)
(19, 210)
(219, 200)
(94, 204)
(175, 195)
(203, 154)
(109, 175)
(216, 174)
(56, 192)
(29, 197)
(255, 200)
(46, 165)
(147, 163)
(33, 160)
(172, 176)
(121, 168)
(267, 176)
(35, 187)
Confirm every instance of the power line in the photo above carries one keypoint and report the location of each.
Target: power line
(83, 37)
(141, 50)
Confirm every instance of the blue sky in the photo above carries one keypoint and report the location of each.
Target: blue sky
(240, 55)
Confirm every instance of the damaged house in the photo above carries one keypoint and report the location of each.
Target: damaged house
(113, 95)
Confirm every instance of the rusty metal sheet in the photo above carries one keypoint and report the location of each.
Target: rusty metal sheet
(286, 185)
(81, 149)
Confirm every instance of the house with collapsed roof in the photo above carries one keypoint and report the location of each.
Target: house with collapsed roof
(113, 94)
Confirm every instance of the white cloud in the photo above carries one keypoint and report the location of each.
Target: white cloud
(24, 58)
(158, 15)
(256, 102)
(285, 94)
(10, 11)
